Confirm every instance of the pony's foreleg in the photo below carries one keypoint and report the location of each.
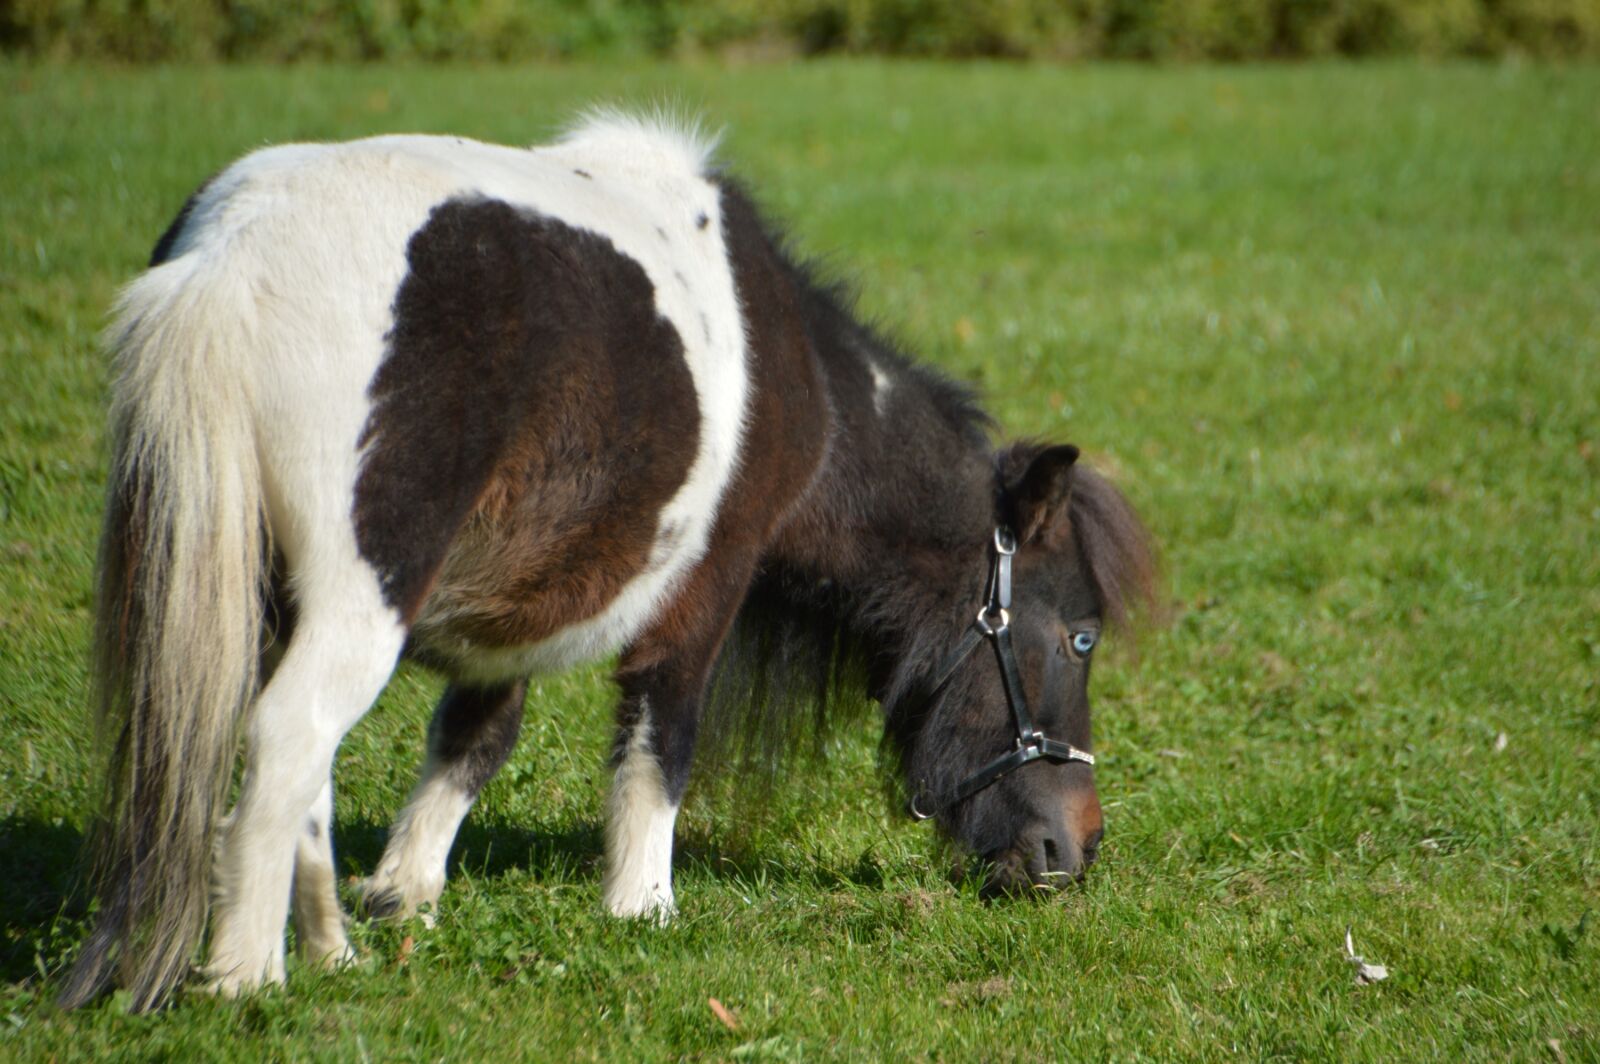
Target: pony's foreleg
(472, 733)
(338, 660)
(318, 918)
(663, 679)
(646, 791)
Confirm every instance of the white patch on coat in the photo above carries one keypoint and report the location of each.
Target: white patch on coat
(881, 383)
(639, 822)
(322, 232)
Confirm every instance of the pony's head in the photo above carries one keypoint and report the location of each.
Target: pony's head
(996, 748)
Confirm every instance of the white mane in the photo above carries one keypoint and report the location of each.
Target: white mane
(659, 138)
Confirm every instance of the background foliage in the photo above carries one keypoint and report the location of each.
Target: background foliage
(1335, 328)
(147, 30)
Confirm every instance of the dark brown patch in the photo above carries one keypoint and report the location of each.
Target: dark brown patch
(586, 175)
(701, 221)
(533, 403)
(474, 730)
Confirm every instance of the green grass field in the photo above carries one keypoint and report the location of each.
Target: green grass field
(1337, 332)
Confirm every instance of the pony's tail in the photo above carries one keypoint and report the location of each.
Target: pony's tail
(178, 620)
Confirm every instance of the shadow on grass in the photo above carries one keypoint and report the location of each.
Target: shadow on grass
(41, 915)
(40, 859)
(575, 851)
(490, 850)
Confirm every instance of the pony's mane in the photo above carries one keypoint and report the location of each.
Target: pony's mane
(797, 662)
(1117, 550)
(792, 669)
(832, 307)
(672, 137)
(790, 672)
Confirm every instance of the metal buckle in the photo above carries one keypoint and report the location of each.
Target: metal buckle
(983, 624)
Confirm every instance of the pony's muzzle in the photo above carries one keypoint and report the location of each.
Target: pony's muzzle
(1048, 863)
(1041, 867)
(1055, 853)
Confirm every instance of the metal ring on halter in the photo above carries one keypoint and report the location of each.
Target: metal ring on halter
(988, 629)
(917, 814)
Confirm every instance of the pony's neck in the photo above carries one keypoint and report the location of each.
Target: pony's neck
(895, 525)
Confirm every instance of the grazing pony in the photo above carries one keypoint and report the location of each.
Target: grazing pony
(503, 411)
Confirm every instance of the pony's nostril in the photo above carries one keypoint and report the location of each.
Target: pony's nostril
(1091, 846)
(1052, 856)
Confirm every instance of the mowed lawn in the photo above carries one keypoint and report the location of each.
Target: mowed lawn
(1335, 329)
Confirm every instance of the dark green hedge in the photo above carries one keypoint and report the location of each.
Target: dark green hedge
(143, 30)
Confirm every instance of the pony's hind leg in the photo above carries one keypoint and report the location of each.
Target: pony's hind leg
(473, 732)
(342, 652)
(318, 917)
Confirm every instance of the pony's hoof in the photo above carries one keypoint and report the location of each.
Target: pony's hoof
(332, 957)
(380, 903)
(232, 985)
(389, 903)
(654, 909)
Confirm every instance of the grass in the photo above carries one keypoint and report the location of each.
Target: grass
(1336, 329)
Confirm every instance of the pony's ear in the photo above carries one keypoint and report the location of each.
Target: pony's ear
(1037, 495)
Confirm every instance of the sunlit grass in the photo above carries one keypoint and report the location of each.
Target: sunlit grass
(1337, 331)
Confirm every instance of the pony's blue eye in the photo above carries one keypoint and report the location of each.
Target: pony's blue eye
(1083, 642)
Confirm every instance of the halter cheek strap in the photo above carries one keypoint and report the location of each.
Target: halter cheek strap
(993, 625)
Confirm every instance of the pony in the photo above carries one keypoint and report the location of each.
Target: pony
(504, 410)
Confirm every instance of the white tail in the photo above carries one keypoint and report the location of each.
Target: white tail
(179, 613)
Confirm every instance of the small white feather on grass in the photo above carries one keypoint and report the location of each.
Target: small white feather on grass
(1365, 973)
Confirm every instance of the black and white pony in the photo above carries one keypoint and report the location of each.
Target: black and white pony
(503, 411)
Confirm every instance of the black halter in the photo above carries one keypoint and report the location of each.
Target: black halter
(994, 624)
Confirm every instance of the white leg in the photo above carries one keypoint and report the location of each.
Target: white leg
(639, 821)
(474, 730)
(318, 918)
(335, 666)
(412, 871)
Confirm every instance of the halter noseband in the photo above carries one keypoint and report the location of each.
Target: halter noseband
(994, 624)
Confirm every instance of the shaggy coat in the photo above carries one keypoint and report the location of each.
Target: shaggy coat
(503, 411)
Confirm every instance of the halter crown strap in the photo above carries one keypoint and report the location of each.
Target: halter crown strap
(994, 625)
